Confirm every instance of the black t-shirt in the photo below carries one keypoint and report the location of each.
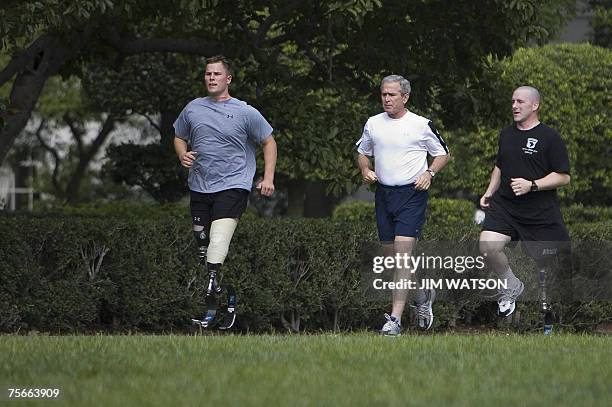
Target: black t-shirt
(530, 154)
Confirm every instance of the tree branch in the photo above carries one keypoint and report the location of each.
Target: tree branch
(105, 130)
(279, 14)
(30, 80)
(76, 133)
(85, 157)
(20, 60)
(56, 159)
(193, 46)
(279, 39)
(151, 122)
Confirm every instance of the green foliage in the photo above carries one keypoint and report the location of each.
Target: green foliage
(75, 273)
(118, 209)
(355, 211)
(118, 269)
(152, 167)
(602, 23)
(25, 20)
(316, 133)
(601, 230)
(141, 273)
(3, 105)
(60, 137)
(64, 96)
(473, 158)
(302, 63)
(149, 83)
(579, 213)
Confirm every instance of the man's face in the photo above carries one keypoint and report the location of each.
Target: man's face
(216, 79)
(523, 105)
(392, 99)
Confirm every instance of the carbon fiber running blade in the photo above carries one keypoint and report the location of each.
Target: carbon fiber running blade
(228, 321)
(230, 316)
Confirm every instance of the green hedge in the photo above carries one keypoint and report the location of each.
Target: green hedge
(63, 273)
(122, 208)
(578, 213)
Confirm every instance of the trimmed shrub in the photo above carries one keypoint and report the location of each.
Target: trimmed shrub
(579, 213)
(82, 274)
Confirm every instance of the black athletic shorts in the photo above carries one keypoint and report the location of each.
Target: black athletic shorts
(208, 207)
(542, 237)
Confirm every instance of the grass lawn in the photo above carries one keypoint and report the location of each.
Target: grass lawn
(312, 370)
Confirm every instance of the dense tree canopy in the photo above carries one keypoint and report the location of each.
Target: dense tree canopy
(339, 40)
(308, 66)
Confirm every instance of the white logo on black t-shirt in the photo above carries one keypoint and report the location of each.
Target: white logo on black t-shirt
(531, 143)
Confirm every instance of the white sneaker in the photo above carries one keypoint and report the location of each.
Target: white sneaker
(424, 317)
(506, 304)
(392, 327)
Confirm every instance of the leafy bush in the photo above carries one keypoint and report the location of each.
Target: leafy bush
(67, 273)
(123, 209)
(579, 213)
(355, 211)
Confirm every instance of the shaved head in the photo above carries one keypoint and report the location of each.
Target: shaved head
(533, 93)
(526, 106)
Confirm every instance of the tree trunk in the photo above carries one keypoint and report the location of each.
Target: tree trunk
(74, 185)
(24, 95)
(43, 59)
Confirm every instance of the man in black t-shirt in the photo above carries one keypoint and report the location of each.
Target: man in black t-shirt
(521, 200)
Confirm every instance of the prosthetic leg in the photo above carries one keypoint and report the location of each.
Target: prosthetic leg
(546, 309)
(212, 251)
(556, 256)
(214, 302)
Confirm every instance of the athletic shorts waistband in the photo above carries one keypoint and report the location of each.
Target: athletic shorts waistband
(396, 186)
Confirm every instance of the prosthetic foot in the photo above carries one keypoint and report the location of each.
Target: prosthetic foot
(546, 310)
(214, 298)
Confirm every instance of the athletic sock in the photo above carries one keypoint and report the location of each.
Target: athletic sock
(420, 297)
(510, 278)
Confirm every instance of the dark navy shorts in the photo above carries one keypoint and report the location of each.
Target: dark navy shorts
(400, 211)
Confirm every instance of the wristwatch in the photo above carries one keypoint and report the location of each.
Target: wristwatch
(431, 172)
(534, 186)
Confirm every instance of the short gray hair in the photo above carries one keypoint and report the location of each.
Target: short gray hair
(404, 83)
